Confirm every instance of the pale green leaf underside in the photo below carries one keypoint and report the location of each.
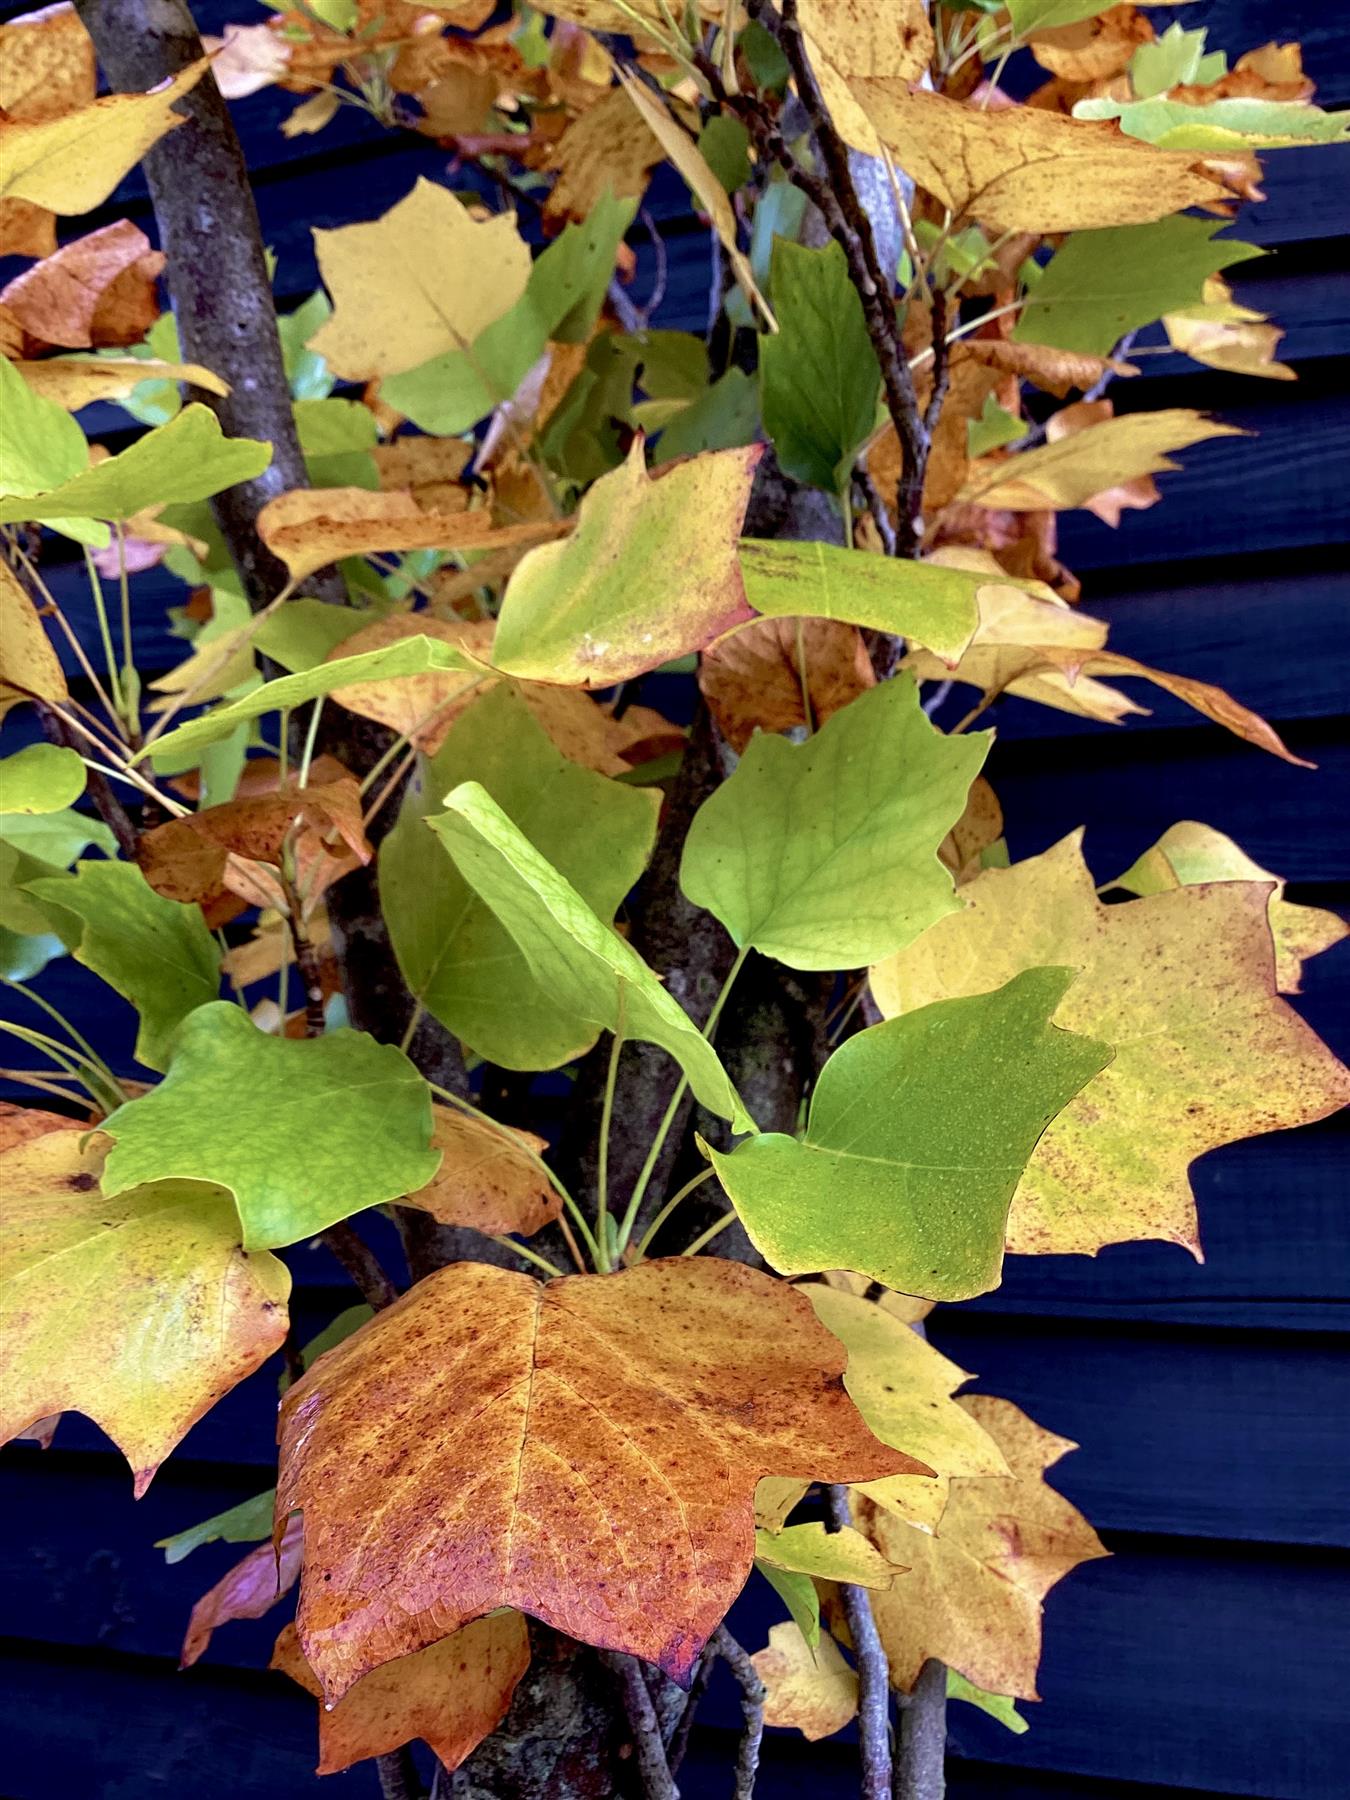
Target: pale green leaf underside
(41, 778)
(824, 854)
(303, 1132)
(918, 1133)
(457, 957)
(574, 955)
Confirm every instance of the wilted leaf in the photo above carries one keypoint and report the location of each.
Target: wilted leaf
(1222, 335)
(1081, 465)
(1054, 370)
(248, 1591)
(42, 778)
(775, 674)
(423, 278)
(157, 954)
(489, 1178)
(29, 666)
(302, 1132)
(585, 1450)
(451, 1695)
(1100, 285)
(814, 1691)
(609, 148)
(71, 162)
(248, 1523)
(1190, 853)
(1022, 169)
(98, 290)
(649, 574)
(21, 1124)
(172, 1313)
(974, 834)
(575, 957)
(1184, 984)
(972, 1597)
(918, 1132)
(814, 853)
(458, 959)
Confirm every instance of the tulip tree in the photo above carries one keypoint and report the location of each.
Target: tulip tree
(571, 701)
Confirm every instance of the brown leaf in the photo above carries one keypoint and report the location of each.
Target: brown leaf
(247, 59)
(1056, 371)
(972, 1597)
(764, 675)
(979, 827)
(98, 291)
(610, 148)
(488, 1178)
(21, 1124)
(248, 1591)
(814, 1691)
(46, 64)
(586, 1450)
(1093, 49)
(26, 229)
(451, 1695)
(429, 468)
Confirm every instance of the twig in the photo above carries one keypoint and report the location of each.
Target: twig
(398, 1777)
(698, 1687)
(874, 1690)
(361, 1264)
(877, 507)
(752, 1709)
(657, 1781)
(920, 1764)
(110, 809)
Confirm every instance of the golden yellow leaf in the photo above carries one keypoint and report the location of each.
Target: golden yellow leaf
(610, 148)
(29, 667)
(72, 162)
(972, 1597)
(1021, 169)
(46, 64)
(850, 38)
(1183, 984)
(423, 278)
(74, 382)
(1223, 335)
(814, 1691)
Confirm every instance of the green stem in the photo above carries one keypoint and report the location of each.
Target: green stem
(705, 1238)
(81, 1043)
(129, 684)
(531, 1256)
(311, 738)
(668, 1118)
(70, 1060)
(602, 1159)
(665, 1212)
(104, 632)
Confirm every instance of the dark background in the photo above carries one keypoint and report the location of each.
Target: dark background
(1209, 1655)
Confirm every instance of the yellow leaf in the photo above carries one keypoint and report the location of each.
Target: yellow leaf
(825, 1555)
(972, 1597)
(1022, 169)
(610, 148)
(423, 278)
(846, 39)
(75, 382)
(172, 1312)
(814, 1691)
(46, 64)
(71, 163)
(1183, 984)
(1227, 336)
(29, 667)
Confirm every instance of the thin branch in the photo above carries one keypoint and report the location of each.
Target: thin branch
(698, 1687)
(920, 1764)
(398, 1777)
(752, 1709)
(361, 1264)
(657, 1781)
(874, 1688)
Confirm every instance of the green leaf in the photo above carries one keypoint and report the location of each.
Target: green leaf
(819, 378)
(306, 371)
(57, 837)
(41, 446)
(809, 1549)
(923, 602)
(337, 437)
(351, 1319)
(25, 954)
(1099, 285)
(723, 417)
(44, 778)
(1222, 124)
(156, 953)
(248, 1523)
(456, 956)
(918, 1133)
(409, 656)
(824, 854)
(798, 1594)
(304, 632)
(1045, 15)
(583, 962)
(1176, 59)
(993, 429)
(187, 459)
(303, 1132)
(998, 1706)
(724, 144)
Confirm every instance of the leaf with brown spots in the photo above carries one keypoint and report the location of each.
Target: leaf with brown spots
(974, 834)
(972, 1597)
(1183, 984)
(586, 1450)
(247, 1591)
(172, 1312)
(20, 1124)
(29, 666)
(779, 673)
(814, 1691)
(97, 292)
(451, 1695)
(610, 149)
(490, 1177)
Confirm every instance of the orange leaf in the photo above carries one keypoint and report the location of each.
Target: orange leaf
(250, 1589)
(451, 1695)
(20, 1124)
(585, 1450)
(98, 291)
(487, 1179)
(755, 677)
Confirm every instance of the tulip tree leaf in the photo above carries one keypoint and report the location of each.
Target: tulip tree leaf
(828, 1555)
(43, 778)
(171, 1313)
(457, 957)
(998, 1706)
(248, 1523)
(918, 1132)
(303, 1132)
(798, 1594)
(824, 854)
(157, 953)
(573, 954)
(586, 1450)
(41, 447)
(1224, 124)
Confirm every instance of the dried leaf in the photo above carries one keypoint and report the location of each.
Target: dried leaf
(977, 830)
(247, 1591)
(668, 1389)
(775, 674)
(610, 148)
(1184, 984)
(813, 1691)
(29, 666)
(74, 383)
(172, 1312)
(46, 64)
(451, 1695)
(97, 291)
(490, 1177)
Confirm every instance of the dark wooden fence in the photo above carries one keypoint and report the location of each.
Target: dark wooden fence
(1210, 1654)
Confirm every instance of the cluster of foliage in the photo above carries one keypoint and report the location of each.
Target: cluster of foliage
(526, 497)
